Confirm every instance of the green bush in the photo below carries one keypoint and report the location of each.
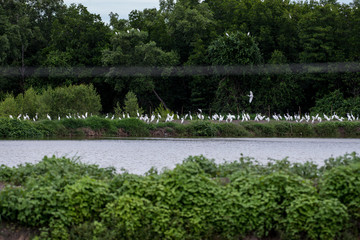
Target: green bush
(259, 129)
(128, 217)
(98, 123)
(301, 130)
(231, 130)
(335, 102)
(344, 160)
(343, 183)
(74, 99)
(61, 101)
(201, 129)
(198, 199)
(133, 126)
(131, 105)
(13, 128)
(207, 165)
(31, 103)
(51, 128)
(326, 129)
(310, 217)
(10, 107)
(73, 123)
(85, 199)
(269, 196)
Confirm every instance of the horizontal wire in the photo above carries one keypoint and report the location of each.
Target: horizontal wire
(139, 71)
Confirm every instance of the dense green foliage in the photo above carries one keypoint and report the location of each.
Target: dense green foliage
(57, 102)
(43, 42)
(96, 126)
(198, 199)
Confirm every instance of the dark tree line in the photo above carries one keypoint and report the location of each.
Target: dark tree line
(189, 33)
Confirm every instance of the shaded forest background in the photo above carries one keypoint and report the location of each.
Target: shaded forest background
(51, 34)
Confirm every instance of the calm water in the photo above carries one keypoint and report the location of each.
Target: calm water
(138, 156)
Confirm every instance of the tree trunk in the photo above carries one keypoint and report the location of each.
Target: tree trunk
(160, 99)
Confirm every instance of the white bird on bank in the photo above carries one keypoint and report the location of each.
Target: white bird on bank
(251, 96)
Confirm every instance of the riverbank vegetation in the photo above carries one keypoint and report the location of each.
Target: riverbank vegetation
(61, 198)
(96, 126)
(285, 52)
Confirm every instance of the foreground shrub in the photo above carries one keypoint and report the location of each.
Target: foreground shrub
(85, 199)
(198, 199)
(129, 217)
(309, 217)
(269, 197)
(343, 183)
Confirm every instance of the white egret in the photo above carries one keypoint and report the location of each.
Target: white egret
(251, 96)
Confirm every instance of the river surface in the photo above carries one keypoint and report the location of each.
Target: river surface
(139, 155)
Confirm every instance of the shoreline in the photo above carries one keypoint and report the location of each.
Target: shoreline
(97, 127)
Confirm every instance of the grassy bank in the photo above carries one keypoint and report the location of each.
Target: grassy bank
(98, 127)
(60, 198)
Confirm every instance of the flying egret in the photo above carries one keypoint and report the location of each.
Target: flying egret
(251, 96)
(227, 34)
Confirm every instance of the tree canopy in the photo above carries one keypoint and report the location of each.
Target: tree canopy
(289, 47)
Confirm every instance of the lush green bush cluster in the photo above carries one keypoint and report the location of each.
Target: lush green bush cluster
(198, 199)
(60, 101)
(14, 128)
(335, 102)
